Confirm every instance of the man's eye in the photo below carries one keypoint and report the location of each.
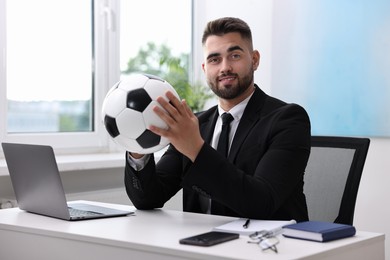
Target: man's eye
(236, 56)
(213, 60)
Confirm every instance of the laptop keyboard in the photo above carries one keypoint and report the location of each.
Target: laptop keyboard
(82, 213)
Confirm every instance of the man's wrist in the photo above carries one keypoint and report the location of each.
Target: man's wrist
(196, 151)
(137, 163)
(136, 155)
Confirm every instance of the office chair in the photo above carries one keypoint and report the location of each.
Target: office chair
(332, 177)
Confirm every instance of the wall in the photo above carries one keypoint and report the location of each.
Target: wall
(372, 211)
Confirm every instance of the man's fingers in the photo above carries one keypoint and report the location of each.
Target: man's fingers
(187, 108)
(163, 114)
(173, 106)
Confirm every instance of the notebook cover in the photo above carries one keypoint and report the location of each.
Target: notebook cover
(318, 231)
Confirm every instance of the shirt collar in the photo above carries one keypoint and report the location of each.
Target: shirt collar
(238, 110)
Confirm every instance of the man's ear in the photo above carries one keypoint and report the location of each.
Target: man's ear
(255, 59)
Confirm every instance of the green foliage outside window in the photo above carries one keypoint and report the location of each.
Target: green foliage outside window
(159, 61)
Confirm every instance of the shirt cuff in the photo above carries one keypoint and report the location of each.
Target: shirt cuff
(138, 164)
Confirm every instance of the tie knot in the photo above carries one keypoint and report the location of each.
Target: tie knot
(226, 118)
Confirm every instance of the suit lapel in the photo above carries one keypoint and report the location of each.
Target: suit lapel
(250, 117)
(207, 123)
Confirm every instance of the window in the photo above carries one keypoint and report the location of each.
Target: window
(160, 44)
(48, 79)
(49, 72)
(60, 58)
(161, 26)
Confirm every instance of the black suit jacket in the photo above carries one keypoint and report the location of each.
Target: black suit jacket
(262, 177)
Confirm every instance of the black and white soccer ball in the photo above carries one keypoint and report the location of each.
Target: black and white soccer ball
(127, 112)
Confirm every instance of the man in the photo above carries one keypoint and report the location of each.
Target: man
(262, 175)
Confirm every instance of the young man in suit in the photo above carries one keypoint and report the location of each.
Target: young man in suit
(269, 140)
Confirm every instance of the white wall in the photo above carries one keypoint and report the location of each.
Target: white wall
(372, 211)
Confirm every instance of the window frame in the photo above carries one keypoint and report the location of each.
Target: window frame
(105, 64)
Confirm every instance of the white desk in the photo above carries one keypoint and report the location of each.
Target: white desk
(155, 235)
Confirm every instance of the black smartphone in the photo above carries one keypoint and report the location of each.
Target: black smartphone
(209, 238)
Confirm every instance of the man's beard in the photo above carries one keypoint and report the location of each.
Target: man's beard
(232, 91)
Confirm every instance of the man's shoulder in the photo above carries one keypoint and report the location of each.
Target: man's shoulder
(277, 108)
(206, 114)
(273, 104)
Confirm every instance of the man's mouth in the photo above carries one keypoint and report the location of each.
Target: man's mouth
(226, 79)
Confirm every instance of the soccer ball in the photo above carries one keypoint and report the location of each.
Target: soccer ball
(127, 112)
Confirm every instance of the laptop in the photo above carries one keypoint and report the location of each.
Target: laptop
(38, 187)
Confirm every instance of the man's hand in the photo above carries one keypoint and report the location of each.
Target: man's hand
(183, 126)
(136, 155)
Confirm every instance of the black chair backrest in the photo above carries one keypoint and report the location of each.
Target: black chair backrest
(332, 177)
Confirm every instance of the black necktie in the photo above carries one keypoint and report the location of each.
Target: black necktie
(223, 143)
(223, 148)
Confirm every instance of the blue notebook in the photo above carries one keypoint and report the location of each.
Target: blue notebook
(318, 231)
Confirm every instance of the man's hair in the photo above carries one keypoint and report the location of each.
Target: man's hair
(226, 25)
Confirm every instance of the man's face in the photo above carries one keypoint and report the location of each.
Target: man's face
(229, 65)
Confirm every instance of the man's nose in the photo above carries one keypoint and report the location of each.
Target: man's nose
(226, 66)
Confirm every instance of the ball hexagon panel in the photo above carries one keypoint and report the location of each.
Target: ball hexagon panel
(151, 118)
(157, 88)
(127, 142)
(112, 104)
(130, 123)
(133, 81)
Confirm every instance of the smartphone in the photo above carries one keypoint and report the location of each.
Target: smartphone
(209, 238)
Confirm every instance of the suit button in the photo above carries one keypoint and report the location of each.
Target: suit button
(135, 183)
(195, 188)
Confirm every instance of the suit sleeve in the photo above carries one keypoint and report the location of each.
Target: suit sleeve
(148, 189)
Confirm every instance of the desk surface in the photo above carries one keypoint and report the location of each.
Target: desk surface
(155, 233)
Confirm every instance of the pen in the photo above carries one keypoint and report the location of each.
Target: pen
(246, 224)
